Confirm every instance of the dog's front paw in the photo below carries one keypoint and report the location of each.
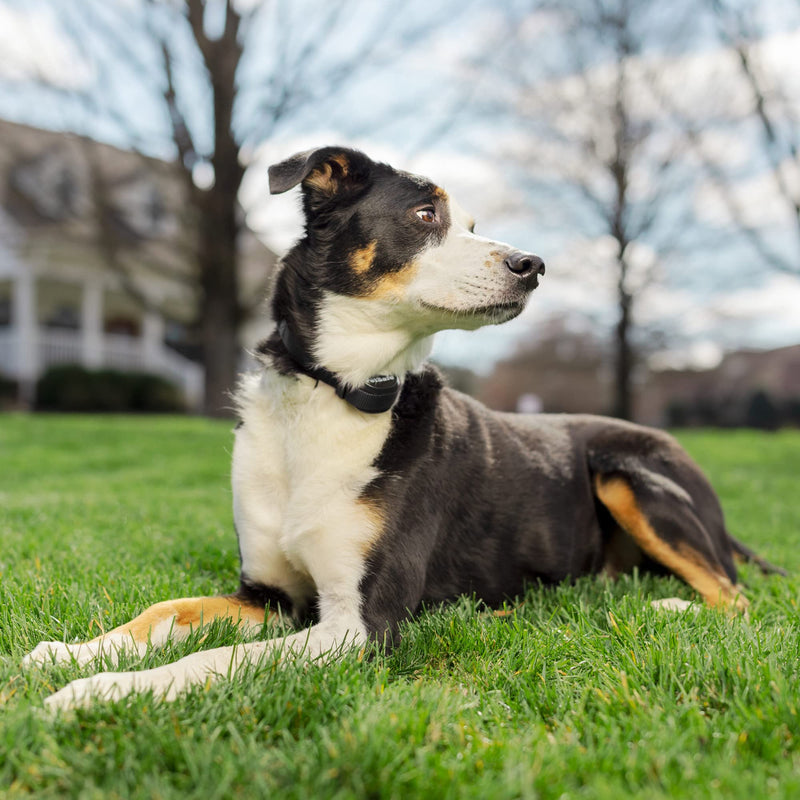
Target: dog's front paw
(107, 686)
(84, 691)
(60, 653)
(51, 653)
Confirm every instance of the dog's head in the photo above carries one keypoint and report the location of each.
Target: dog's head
(392, 250)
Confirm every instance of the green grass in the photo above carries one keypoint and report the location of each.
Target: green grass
(580, 691)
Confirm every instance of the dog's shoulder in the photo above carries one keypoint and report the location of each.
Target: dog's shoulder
(420, 393)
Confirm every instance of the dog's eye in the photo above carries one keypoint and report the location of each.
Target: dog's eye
(427, 214)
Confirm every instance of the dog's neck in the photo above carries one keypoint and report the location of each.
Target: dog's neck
(375, 396)
(358, 338)
(359, 349)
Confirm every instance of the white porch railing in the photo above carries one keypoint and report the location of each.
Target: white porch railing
(118, 352)
(187, 374)
(124, 352)
(59, 347)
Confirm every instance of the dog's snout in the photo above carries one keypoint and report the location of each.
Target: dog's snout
(524, 264)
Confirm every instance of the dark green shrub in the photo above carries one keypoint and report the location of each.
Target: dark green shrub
(64, 388)
(762, 412)
(74, 388)
(791, 412)
(679, 414)
(9, 391)
(154, 393)
(112, 390)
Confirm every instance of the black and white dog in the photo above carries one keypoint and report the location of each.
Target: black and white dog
(364, 488)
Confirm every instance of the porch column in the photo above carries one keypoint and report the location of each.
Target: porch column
(26, 324)
(152, 340)
(92, 324)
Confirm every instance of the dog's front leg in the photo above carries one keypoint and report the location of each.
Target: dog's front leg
(339, 629)
(164, 682)
(327, 639)
(170, 620)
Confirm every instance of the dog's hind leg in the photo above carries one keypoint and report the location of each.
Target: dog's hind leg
(669, 530)
(170, 620)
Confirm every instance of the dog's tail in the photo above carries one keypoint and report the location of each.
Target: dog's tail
(744, 553)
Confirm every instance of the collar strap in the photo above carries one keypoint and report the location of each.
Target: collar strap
(375, 396)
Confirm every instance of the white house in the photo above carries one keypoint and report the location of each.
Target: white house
(94, 266)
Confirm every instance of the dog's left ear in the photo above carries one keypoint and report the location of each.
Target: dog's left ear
(326, 171)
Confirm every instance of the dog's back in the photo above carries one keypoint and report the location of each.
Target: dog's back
(480, 502)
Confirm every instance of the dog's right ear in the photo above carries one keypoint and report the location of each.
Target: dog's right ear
(326, 171)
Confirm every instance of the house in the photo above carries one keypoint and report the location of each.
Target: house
(96, 267)
(570, 371)
(721, 395)
(564, 370)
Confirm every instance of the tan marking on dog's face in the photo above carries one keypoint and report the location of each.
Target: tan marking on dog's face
(191, 612)
(440, 193)
(393, 285)
(362, 259)
(716, 589)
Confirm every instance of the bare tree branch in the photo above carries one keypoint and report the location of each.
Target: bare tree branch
(171, 54)
(736, 33)
(589, 137)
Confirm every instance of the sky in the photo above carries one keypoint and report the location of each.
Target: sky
(718, 305)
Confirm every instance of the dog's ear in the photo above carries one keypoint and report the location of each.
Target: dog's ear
(327, 171)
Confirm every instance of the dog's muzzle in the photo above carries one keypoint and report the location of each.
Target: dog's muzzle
(526, 266)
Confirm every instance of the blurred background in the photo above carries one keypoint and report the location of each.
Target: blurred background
(646, 149)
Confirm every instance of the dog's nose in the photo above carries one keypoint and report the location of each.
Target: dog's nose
(524, 264)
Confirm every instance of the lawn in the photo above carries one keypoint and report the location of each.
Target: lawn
(578, 691)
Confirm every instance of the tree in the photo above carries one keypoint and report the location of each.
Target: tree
(772, 109)
(206, 81)
(595, 146)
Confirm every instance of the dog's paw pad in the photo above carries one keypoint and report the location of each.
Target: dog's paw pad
(674, 604)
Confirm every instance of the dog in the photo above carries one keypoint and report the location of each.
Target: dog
(363, 488)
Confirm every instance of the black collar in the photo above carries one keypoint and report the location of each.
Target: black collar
(375, 396)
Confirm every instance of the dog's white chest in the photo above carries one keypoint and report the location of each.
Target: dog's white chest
(301, 461)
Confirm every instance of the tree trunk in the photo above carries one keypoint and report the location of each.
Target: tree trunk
(623, 360)
(220, 311)
(220, 307)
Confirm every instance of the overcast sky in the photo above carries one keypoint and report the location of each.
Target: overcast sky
(445, 139)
